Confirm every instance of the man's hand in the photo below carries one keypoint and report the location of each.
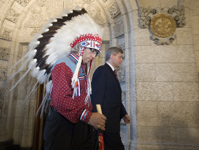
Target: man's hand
(98, 121)
(127, 119)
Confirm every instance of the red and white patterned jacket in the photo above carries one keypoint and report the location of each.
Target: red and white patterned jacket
(61, 95)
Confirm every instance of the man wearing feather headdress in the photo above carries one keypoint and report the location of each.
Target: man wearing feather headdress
(69, 125)
(60, 56)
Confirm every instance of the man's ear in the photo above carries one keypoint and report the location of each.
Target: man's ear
(112, 55)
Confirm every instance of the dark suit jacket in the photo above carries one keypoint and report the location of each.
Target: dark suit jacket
(106, 91)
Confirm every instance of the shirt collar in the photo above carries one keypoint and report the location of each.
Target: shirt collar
(110, 66)
(74, 57)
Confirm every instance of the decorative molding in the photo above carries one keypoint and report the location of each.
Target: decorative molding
(123, 96)
(119, 28)
(35, 19)
(23, 2)
(122, 46)
(12, 15)
(162, 22)
(4, 53)
(6, 34)
(3, 74)
(124, 103)
(88, 1)
(41, 3)
(114, 10)
(179, 15)
(96, 13)
(121, 74)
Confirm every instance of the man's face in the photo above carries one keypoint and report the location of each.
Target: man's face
(88, 55)
(116, 60)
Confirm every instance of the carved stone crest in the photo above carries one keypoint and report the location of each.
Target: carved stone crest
(163, 25)
(162, 22)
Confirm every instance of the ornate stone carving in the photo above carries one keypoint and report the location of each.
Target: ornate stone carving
(178, 13)
(3, 74)
(12, 15)
(41, 3)
(36, 19)
(96, 14)
(123, 96)
(162, 22)
(122, 46)
(121, 74)
(119, 28)
(4, 53)
(114, 10)
(6, 34)
(23, 2)
(163, 25)
(104, 1)
(124, 103)
(89, 1)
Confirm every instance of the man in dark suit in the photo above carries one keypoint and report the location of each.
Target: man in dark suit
(106, 91)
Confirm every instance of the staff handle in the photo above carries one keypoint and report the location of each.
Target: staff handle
(99, 109)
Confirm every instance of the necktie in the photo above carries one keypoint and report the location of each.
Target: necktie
(115, 73)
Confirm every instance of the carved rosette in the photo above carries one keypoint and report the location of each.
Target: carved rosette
(114, 10)
(162, 22)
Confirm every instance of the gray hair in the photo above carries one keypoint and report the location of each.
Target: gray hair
(114, 51)
(75, 49)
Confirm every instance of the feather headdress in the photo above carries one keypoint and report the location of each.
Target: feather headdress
(56, 40)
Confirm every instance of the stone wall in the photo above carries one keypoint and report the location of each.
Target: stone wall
(167, 84)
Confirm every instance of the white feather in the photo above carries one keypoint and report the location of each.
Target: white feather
(41, 77)
(34, 72)
(48, 86)
(59, 45)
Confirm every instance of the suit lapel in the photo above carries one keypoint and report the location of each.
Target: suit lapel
(113, 74)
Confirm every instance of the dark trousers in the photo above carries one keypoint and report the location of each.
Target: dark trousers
(112, 141)
(61, 134)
